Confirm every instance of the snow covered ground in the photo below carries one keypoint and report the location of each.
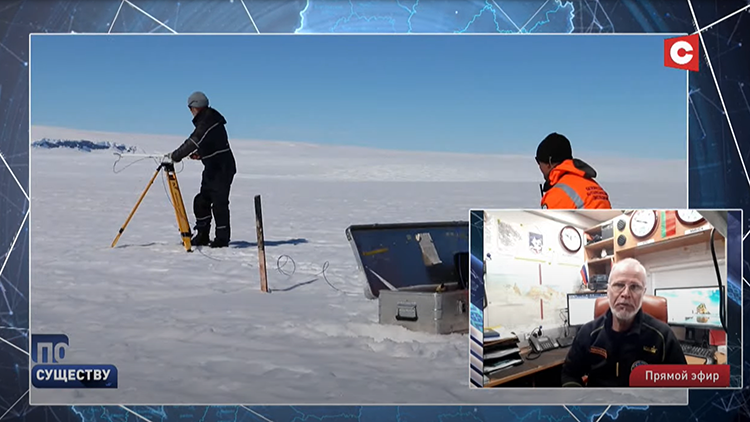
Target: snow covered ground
(195, 328)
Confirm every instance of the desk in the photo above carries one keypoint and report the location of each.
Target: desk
(720, 358)
(547, 360)
(556, 357)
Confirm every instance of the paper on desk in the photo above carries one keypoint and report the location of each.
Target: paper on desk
(500, 353)
(488, 369)
(497, 333)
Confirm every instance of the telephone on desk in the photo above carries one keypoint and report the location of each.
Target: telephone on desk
(541, 344)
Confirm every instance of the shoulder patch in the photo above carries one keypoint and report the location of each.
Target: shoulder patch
(637, 363)
(598, 351)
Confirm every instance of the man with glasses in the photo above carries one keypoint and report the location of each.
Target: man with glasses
(606, 349)
(569, 182)
(210, 144)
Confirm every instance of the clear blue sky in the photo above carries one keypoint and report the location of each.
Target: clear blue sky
(494, 94)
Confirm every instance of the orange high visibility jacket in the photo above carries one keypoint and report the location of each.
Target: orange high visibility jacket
(571, 185)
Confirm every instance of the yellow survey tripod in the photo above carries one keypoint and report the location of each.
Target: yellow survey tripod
(179, 206)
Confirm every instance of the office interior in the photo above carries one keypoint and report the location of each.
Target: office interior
(546, 275)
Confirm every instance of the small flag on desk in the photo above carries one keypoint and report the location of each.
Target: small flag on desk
(584, 275)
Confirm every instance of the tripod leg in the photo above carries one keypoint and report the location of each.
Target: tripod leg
(179, 209)
(122, 229)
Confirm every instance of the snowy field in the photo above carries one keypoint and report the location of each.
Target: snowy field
(195, 328)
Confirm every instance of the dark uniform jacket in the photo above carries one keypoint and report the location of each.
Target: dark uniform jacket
(607, 357)
(210, 141)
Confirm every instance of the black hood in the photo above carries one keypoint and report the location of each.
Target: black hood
(581, 168)
(589, 172)
(208, 116)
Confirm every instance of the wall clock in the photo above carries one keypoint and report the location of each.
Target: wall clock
(571, 239)
(689, 217)
(643, 223)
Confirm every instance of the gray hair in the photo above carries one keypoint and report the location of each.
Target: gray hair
(631, 264)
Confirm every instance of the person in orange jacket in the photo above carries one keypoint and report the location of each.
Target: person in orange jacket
(569, 182)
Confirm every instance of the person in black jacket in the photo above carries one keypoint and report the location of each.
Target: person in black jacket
(210, 144)
(608, 348)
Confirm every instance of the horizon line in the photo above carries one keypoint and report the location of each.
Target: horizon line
(597, 154)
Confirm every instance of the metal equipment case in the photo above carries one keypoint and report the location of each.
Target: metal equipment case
(414, 272)
(421, 308)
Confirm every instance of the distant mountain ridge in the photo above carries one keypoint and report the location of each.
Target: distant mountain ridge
(82, 145)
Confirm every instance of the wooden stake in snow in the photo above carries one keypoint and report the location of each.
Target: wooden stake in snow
(261, 245)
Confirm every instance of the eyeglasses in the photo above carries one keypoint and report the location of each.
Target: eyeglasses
(633, 288)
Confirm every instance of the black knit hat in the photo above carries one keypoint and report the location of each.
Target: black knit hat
(555, 149)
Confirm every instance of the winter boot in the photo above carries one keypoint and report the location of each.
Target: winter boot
(219, 243)
(201, 238)
(222, 237)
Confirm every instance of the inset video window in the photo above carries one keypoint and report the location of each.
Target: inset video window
(606, 299)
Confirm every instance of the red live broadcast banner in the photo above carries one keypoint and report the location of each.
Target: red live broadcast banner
(685, 376)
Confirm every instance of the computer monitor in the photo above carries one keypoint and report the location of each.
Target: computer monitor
(581, 307)
(695, 307)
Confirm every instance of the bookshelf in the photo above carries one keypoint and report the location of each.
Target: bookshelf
(669, 234)
(599, 250)
(613, 240)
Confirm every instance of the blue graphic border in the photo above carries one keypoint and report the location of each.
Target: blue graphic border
(716, 171)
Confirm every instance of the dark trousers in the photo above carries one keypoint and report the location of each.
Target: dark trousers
(213, 198)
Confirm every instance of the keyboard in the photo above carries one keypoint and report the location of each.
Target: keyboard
(697, 351)
(565, 341)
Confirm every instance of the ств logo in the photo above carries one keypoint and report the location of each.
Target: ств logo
(682, 52)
